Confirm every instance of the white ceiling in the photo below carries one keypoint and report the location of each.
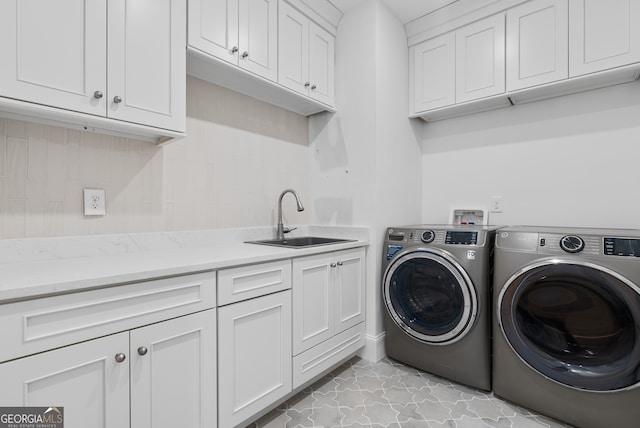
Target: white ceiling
(405, 10)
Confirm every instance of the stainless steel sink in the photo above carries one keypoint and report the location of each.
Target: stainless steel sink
(300, 242)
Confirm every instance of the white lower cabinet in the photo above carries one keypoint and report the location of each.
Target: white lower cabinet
(328, 300)
(160, 376)
(173, 373)
(254, 357)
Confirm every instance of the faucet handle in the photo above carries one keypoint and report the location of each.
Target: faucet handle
(287, 230)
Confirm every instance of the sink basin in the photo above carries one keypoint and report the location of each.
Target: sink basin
(300, 242)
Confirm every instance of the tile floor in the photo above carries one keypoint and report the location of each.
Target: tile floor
(388, 394)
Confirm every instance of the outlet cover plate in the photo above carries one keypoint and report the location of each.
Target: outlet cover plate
(94, 202)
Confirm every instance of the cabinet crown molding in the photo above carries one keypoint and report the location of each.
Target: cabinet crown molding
(323, 12)
(456, 15)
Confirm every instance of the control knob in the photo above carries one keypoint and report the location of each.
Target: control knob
(572, 244)
(428, 236)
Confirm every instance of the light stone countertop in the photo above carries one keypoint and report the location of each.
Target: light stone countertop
(31, 268)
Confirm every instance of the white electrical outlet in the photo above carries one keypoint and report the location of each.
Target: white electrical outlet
(94, 202)
(495, 205)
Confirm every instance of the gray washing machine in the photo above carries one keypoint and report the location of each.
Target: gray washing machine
(436, 293)
(567, 323)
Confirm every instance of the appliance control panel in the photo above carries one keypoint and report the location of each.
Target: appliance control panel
(459, 237)
(626, 247)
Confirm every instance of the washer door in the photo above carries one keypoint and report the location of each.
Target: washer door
(430, 296)
(575, 323)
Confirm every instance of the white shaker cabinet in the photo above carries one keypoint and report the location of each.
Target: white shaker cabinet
(146, 375)
(54, 53)
(434, 73)
(603, 35)
(464, 65)
(254, 356)
(254, 338)
(306, 55)
(537, 43)
(110, 58)
(146, 79)
(241, 32)
(85, 379)
(328, 301)
(173, 373)
(480, 59)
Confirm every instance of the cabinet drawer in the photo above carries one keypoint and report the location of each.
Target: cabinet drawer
(37, 325)
(323, 357)
(247, 282)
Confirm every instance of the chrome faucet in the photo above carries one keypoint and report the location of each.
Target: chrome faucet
(281, 230)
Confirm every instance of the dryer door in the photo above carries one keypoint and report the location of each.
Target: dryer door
(575, 323)
(430, 296)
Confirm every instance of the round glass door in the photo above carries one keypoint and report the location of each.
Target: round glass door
(430, 297)
(576, 324)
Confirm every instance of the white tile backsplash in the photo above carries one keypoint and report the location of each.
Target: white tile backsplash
(228, 172)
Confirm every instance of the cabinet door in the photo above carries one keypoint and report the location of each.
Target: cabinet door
(537, 43)
(349, 289)
(603, 35)
(213, 28)
(313, 301)
(254, 356)
(293, 46)
(54, 53)
(147, 62)
(480, 59)
(173, 373)
(85, 379)
(258, 37)
(321, 64)
(433, 68)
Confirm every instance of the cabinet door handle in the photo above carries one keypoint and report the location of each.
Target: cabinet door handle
(117, 99)
(142, 350)
(233, 50)
(306, 84)
(340, 263)
(333, 265)
(313, 87)
(97, 94)
(120, 357)
(245, 54)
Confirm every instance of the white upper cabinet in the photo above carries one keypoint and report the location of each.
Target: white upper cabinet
(241, 32)
(53, 53)
(147, 62)
(115, 59)
(480, 59)
(306, 56)
(258, 37)
(524, 51)
(434, 65)
(213, 28)
(459, 66)
(537, 43)
(603, 35)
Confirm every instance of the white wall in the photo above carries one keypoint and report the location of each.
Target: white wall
(568, 161)
(366, 159)
(239, 155)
